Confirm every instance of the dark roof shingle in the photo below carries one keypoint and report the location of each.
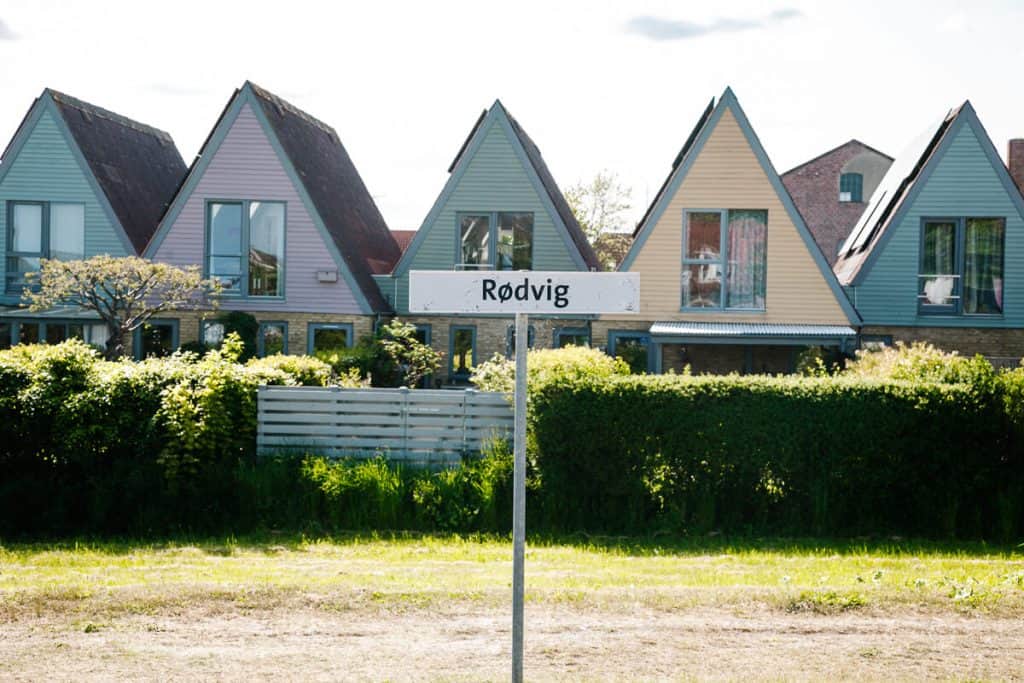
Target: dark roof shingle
(137, 166)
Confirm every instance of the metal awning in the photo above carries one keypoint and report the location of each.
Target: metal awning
(777, 334)
(56, 313)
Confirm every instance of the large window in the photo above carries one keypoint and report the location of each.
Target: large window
(245, 247)
(38, 230)
(851, 187)
(961, 266)
(724, 253)
(51, 332)
(501, 240)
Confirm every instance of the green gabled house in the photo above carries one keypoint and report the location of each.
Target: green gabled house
(938, 254)
(76, 181)
(499, 210)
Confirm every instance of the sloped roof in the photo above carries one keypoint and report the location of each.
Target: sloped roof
(889, 196)
(136, 166)
(851, 141)
(403, 237)
(336, 190)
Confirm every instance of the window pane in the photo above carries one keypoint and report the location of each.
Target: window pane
(515, 241)
(634, 352)
(747, 256)
(938, 264)
(475, 238)
(28, 333)
(55, 333)
(213, 334)
(76, 331)
(226, 241)
(97, 335)
(157, 339)
(67, 231)
(330, 339)
(463, 352)
(5, 335)
(703, 235)
(266, 248)
(851, 187)
(573, 339)
(17, 266)
(27, 229)
(702, 285)
(273, 339)
(983, 265)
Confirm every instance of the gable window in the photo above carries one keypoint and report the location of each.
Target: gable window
(724, 259)
(851, 187)
(961, 266)
(498, 240)
(245, 247)
(38, 230)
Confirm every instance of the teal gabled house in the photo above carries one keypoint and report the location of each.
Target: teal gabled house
(500, 209)
(76, 181)
(938, 254)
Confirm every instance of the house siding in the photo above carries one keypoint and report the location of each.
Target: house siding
(727, 175)
(45, 169)
(245, 166)
(963, 183)
(494, 180)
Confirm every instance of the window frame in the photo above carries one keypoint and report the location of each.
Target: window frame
(261, 350)
(44, 325)
(44, 237)
(173, 323)
(722, 261)
(243, 288)
(453, 376)
(960, 263)
(617, 336)
(492, 236)
(205, 323)
(510, 332)
(558, 332)
(855, 198)
(311, 329)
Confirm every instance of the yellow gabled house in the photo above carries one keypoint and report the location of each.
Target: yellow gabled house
(730, 277)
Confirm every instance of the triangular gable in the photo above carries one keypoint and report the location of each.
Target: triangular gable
(684, 163)
(534, 169)
(244, 96)
(44, 105)
(854, 267)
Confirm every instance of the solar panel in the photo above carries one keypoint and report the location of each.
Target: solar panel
(888, 190)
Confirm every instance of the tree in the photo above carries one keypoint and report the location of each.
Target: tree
(125, 292)
(600, 206)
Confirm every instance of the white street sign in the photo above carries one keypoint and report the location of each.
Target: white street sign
(505, 291)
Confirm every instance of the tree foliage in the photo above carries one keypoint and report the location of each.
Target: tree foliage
(600, 206)
(125, 292)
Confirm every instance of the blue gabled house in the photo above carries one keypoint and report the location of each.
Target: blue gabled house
(77, 181)
(500, 209)
(938, 254)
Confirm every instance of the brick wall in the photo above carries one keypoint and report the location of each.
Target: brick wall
(1002, 346)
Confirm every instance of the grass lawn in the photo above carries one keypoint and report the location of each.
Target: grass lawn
(122, 590)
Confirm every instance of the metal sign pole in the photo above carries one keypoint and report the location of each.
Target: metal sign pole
(519, 499)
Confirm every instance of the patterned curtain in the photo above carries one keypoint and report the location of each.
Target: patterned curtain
(747, 255)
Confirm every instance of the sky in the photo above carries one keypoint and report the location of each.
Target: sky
(598, 85)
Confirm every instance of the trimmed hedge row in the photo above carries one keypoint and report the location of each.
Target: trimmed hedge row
(796, 455)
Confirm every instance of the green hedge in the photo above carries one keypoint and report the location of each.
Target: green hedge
(802, 455)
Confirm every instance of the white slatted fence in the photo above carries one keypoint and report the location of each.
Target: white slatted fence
(417, 426)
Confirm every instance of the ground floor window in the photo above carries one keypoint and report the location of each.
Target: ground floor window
(329, 338)
(156, 338)
(634, 348)
(211, 333)
(272, 339)
(462, 352)
(423, 335)
(571, 336)
(510, 339)
(48, 332)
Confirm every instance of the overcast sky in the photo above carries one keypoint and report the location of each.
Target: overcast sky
(596, 84)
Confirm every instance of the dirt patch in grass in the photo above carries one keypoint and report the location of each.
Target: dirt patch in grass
(470, 641)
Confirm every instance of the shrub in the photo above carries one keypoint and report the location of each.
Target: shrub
(921, 362)
(392, 357)
(245, 326)
(548, 365)
(306, 370)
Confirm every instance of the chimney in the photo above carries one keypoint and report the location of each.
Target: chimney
(1015, 159)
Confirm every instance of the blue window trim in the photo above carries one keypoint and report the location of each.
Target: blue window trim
(960, 255)
(44, 323)
(722, 261)
(173, 323)
(492, 236)
(427, 331)
(510, 332)
(452, 374)
(243, 285)
(44, 236)
(615, 336)
(311, 329)
(264, 324)
(854, 184)
(559, 332)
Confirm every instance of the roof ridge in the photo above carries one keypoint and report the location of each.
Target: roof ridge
(835, 149)
(285, 104)
(94, 110)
